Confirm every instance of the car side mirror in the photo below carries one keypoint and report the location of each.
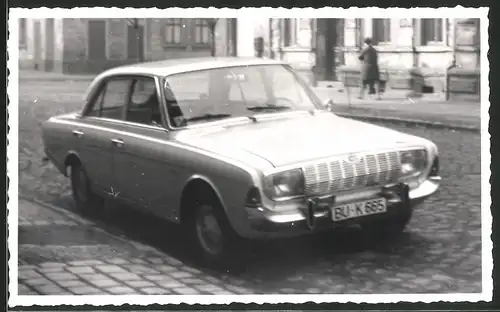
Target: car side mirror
(328, 105)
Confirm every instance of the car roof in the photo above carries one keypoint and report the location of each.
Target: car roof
(179, 65)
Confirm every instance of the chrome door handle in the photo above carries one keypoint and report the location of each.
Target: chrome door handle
(117, 142)
(77, 133)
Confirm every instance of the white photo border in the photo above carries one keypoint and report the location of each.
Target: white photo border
(100, 12)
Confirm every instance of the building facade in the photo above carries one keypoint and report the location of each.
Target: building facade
(429, 48)
(74, 45)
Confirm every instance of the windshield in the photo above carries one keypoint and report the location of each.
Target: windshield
(208, 95)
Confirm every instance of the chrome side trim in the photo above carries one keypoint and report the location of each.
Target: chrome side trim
(126, 123)
(251, 171)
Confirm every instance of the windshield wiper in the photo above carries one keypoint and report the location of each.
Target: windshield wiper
(268, 107)
(209, 117)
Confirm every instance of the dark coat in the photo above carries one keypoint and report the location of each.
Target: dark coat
(369, 64)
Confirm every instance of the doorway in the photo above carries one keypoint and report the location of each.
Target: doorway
(97, 40)
(49, 44)
(135, 43)
(329, 48)
(37, 45)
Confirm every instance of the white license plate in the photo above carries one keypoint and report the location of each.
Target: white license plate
(359, 209)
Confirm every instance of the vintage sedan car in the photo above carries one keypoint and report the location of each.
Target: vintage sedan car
(234, 149)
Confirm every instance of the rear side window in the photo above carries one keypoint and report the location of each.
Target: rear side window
(144, 107)
(112, 99)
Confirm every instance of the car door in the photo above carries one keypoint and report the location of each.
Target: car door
(96, 130)
(143, 168)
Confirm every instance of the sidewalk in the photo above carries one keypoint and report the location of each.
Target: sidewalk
(33, 75)
(429, 110)
(61, 253)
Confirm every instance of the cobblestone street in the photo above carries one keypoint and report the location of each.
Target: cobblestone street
(122, 252)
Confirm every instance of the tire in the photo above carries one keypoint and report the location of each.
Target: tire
(215, 242)
(87, 201)
(389, 228)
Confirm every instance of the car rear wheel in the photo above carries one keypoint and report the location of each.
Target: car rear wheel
(389, 228)
(215, 242)
(86, 200)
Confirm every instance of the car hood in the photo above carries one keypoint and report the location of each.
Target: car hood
(297, 138)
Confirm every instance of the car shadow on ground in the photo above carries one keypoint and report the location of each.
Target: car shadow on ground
(267, 261)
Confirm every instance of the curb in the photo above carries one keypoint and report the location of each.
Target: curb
(72, 216)
(416, 122)
(96, 225)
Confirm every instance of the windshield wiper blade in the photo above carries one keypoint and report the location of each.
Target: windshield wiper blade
(209, 117)
(268, 107)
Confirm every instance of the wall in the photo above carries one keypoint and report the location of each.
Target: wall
(398, 57)
(75, 45)
(71, 39)
(48, 57)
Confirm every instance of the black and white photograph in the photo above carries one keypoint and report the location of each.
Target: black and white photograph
(255, 155)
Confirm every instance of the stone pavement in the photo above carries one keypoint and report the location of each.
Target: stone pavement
(61, 253)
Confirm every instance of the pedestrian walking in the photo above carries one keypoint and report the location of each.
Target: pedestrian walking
(370, 75)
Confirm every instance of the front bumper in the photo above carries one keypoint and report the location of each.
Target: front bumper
(314, 214)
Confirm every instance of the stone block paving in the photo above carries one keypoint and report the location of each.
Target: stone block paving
(439, 253)
(31, 214)
(153, 276)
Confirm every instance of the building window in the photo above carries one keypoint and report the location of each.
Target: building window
(432, 30)
(22, 33)
(173, 29)
(201, 31)
(381, 30)
(289, 32)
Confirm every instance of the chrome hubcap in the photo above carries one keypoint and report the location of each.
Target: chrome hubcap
(208, 230)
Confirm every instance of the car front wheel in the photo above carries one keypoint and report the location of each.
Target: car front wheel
(86, 200)
(215, 242)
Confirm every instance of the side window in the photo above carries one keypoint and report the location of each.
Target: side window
(115, 98)
(142, 90)
(95, 110)
(111, 99)
(144, 106)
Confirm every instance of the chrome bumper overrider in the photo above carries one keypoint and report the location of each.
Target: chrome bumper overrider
(311, 210)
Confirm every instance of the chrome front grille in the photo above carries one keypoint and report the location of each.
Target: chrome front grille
(339, 174)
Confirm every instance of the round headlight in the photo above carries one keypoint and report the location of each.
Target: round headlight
(413, 162)
(285, 184)
(406, 157)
